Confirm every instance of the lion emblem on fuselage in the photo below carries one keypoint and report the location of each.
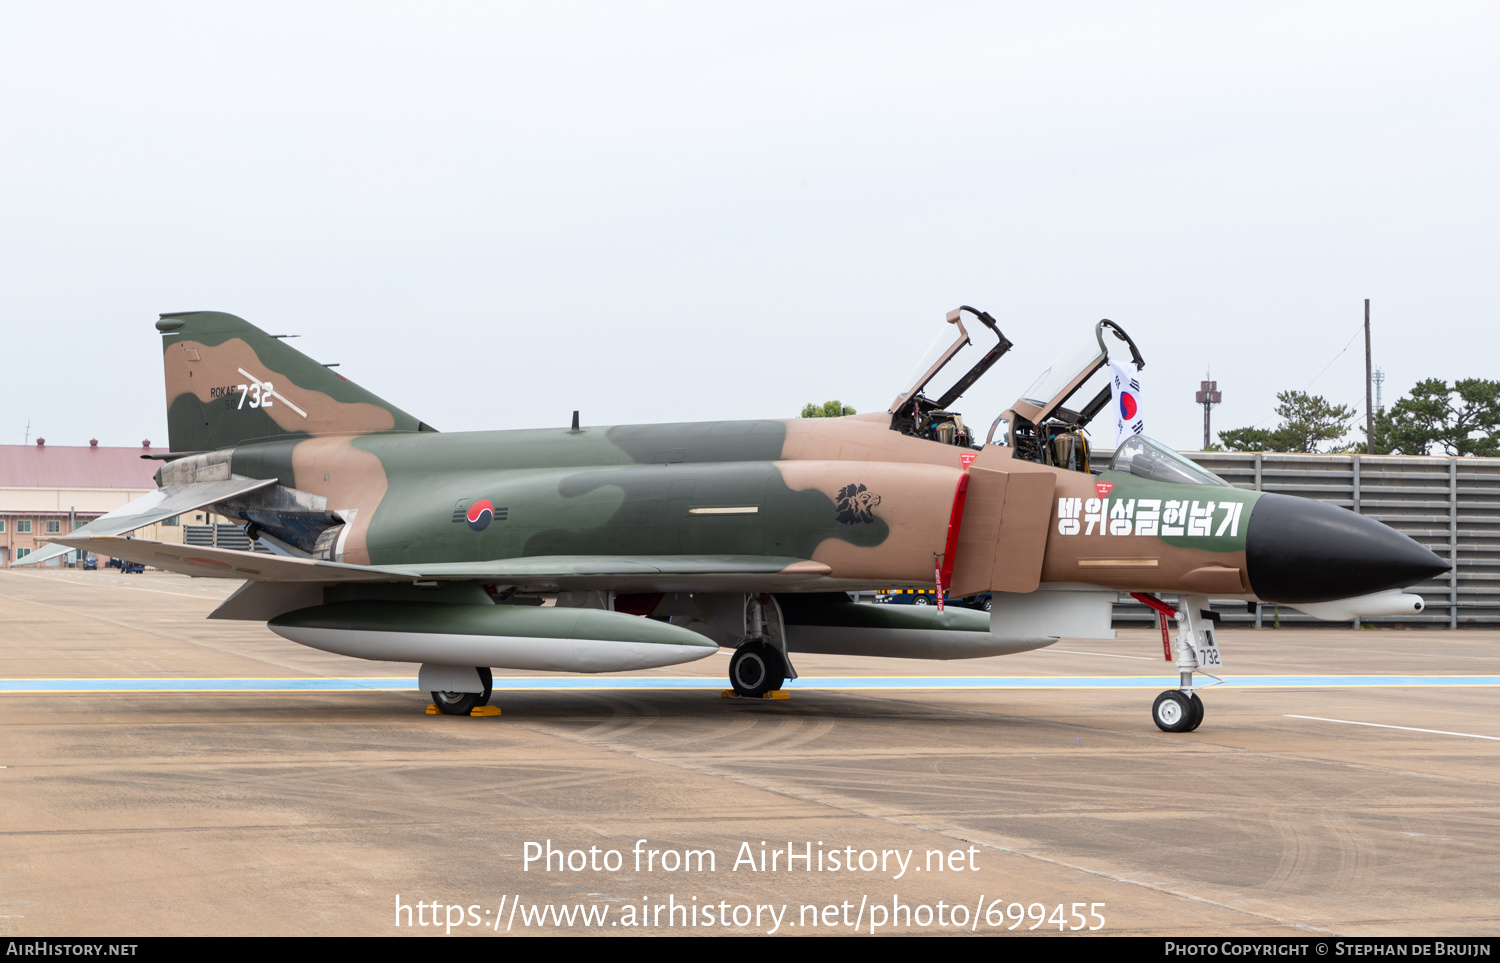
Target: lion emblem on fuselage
(856, 504)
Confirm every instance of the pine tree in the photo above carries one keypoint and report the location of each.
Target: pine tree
(1307, 423)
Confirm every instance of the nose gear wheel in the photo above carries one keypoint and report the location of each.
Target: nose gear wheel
(1177, 711)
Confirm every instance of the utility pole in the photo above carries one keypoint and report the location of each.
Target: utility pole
(1208, 396)
(1369, 387)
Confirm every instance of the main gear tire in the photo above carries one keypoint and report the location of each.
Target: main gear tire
(755, 669)
(461, 703)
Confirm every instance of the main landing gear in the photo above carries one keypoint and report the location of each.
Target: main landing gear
(760, 663)
(1180, 709)
(454, 703)
(755, 669)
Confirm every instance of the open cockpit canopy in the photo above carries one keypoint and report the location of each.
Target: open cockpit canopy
(946, 370)
(1046, 423)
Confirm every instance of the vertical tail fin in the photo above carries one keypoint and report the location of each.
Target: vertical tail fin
(228, 382)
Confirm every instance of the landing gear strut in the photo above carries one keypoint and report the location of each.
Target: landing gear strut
(760, 664)
(1180, 709)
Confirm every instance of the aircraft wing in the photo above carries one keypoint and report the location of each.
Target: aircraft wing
(228, 563)
(149, 508)
(630, 573)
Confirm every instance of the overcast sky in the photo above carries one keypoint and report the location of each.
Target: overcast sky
(494, 214)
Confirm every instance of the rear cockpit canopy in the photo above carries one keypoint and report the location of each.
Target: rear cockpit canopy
(1046, 424)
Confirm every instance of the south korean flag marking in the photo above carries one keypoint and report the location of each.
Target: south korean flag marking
(480, 513)
(1126, 388)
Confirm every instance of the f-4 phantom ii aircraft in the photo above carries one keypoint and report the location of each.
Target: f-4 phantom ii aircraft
(389, 540)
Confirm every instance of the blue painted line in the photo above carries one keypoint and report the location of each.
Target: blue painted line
(1142, 682)
(204, 685)
(566, 683)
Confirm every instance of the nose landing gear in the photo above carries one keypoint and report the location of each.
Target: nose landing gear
(1180, 709)
(1176, 711)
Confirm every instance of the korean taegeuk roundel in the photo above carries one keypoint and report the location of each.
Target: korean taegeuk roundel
(480, 514)
(1127, 410)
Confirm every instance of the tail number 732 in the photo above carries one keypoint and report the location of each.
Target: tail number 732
(258, 392)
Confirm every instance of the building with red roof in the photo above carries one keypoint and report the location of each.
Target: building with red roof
(51, 490)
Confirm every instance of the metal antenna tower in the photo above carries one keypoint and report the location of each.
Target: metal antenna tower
(1208, 396)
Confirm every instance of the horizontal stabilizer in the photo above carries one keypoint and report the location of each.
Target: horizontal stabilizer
(149, 509)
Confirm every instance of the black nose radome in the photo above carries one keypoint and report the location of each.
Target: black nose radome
(1300, 550)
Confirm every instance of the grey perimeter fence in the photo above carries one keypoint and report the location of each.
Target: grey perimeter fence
(1449, 505)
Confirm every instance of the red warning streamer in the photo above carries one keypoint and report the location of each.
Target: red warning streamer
(1163, 612)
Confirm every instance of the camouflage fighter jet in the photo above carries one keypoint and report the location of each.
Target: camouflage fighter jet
(658, 544)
